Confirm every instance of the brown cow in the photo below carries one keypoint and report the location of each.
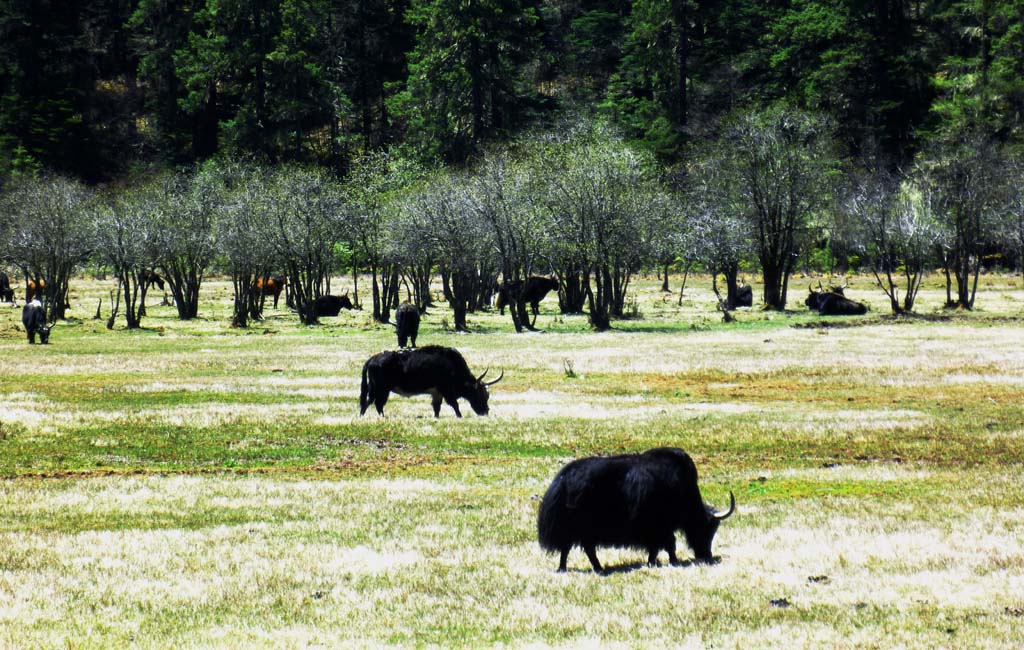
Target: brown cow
(271, 286)
(34, 289)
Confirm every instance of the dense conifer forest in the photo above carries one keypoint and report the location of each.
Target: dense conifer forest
(105, 89)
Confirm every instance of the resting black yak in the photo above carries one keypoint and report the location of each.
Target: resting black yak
(745, 296)
(629, 501)
(33, 317)
(833, 303)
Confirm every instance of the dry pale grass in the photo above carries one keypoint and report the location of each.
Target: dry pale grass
(411, 531)
(242, 562)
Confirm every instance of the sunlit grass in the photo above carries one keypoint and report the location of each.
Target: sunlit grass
(193, 485)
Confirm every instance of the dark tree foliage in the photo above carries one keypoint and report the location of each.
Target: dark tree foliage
(466, 72)
(105, 88)
(54, 110)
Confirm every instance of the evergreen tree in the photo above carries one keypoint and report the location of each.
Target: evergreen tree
(649, 94)
(466, 76)
(45, 81)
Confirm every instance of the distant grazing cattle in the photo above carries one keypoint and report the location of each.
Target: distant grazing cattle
(6, 292)
(407, 323)
(745, 296)
(33, 317)
(34, 289)
(439, 372)
(331, 305)
(833, 303)
(150, 278)
(536, 287)
(272, 286)
(628, 501)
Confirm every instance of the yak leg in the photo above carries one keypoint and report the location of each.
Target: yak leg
(652, 556)
(592, 556)
(670, 546)
(380, 400)
(436, 403)
(561, 561)
(454, 403)
(31, 337)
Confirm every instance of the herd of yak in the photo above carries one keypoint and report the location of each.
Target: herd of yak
(629, 501)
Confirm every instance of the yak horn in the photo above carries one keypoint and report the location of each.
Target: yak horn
(483, 374)
(491, 383)
(732, 508)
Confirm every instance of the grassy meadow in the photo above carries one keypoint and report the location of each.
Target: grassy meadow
(190, 485)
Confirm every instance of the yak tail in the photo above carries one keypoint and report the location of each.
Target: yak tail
(364, 393)
(551, 519)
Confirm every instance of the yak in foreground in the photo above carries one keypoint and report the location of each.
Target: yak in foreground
(33, 317)
(833, 303)
(440, 372)
(628, 501)
(407, 324)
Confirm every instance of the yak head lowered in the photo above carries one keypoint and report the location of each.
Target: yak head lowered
(700, 535)
(475, 392)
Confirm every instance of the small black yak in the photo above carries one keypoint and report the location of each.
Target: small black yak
(628, 501)
(33, 317)
(152, 277)
(833, 303)
(407, 324)
(330, 305)
(745, 296)
(6, 292)
(439, 372)
(533, 290)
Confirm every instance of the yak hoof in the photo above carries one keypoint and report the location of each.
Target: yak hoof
(709, 561)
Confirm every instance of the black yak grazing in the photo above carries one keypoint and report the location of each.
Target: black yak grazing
(33, 317)
(407, 324)
(152, 277)
(629, 501)
(439, 372)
